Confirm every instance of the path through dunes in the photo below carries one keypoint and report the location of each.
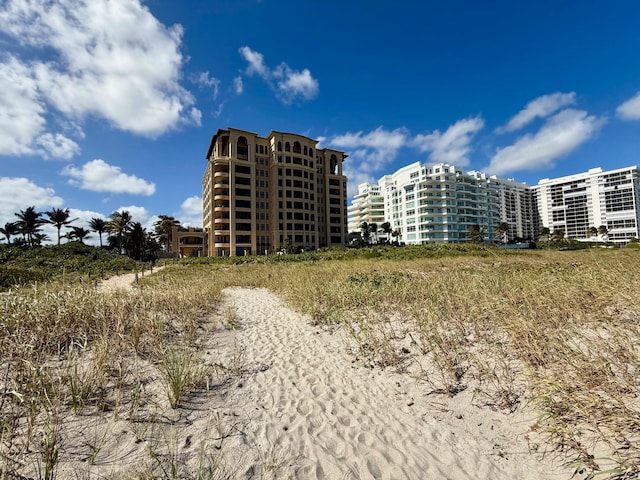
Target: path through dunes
(314, 413)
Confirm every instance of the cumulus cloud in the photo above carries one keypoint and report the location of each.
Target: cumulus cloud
(452, 146)
(108, 59)
(559, 136)
(369, 153)
(289, 84)
(190, 214)
(57, 146)
(98, 176)
(21, 108)
(18, 193)
(540, 107)
(630, 110)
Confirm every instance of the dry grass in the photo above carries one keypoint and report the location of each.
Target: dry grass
(559, 331)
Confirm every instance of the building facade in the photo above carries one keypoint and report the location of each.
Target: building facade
(367, 206)
(439, 203)
(261, 194)
(595, 198)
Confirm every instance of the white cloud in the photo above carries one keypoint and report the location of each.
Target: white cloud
(210, 82)
(378, 147)
(256, 63)
(190, 214)
(630, 110)
(559, 136)
(294, 84)
(21, 109)
(57, 146)
(238, 85)
(98, 176)
(289, 84)
(452, 146)
(369, 153)
(139, 214)
(540, 107)
(111, 59)
(20, 193)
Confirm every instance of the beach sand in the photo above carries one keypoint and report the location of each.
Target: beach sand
(288, 401)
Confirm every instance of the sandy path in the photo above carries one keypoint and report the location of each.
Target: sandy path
(315, 414)
(123, 282)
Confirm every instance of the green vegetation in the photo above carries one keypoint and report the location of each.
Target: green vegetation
(70, 262)
(555, 330)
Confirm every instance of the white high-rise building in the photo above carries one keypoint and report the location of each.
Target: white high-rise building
(595, 198)
(367, 206)
(439, 203)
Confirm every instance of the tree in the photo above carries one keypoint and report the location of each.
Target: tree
(366, 234)
(558, 234)
(475, 233)
(135, 241)
(503, 231)
(545, 232)
(592, 232)
(386, 229)
(99, 226)
(10, 229)
(30, 223)
(59, 218)
(395, 234)
(164, 230)
(119, 224)
(373, 228)
(603, 231)
(78, 233)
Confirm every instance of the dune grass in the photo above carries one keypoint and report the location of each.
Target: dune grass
(557, 331)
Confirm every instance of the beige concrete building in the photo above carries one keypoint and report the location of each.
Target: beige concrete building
(260, 194)
(189, 243)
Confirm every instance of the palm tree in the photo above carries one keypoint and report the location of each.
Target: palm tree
(59, 218)
(545, 232)
(135, 242)
(558, 234)
(373, 228)
(603, 231)
(395, 234)
(164, 230)
(503, 231)
(79, 234)
(386, 229)
(119, 224)
(475, 233)
(99, 226)
(364, 228)
(30, 223)
(592, 232)
(9, 229)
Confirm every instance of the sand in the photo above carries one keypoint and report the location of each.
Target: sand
(288, 401)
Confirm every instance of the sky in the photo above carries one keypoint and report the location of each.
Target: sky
(110, 105)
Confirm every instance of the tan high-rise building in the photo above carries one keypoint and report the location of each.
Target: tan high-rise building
(262, 194)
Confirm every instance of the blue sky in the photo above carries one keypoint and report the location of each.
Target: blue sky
(110, 104)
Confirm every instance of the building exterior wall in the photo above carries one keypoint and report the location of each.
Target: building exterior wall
(595, 198)
(438, 203)
(262, 193)
(367, 206)
(189, 243)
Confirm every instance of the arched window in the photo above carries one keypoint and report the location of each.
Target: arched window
(287, 147)
(279, 146)
(296, 147)
(243, 148)
(305, 149)
(311, 152)
(333, 165)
